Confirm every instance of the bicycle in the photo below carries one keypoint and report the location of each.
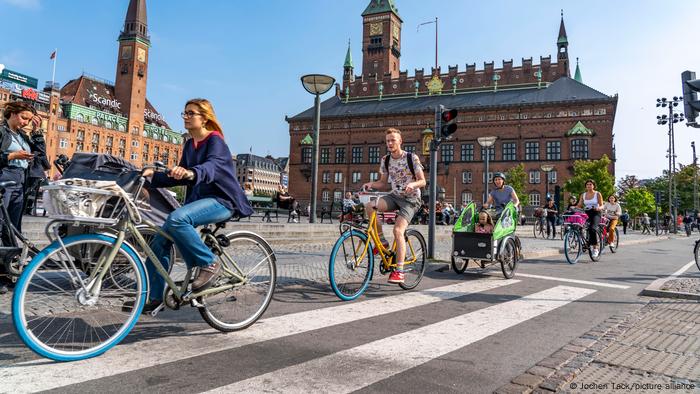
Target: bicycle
(81, 295)
(538, 228)
(576, 240)
(20, 249)
(351, 263)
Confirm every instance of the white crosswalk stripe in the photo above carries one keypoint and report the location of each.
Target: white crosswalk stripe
(361, 366)
(144, 354)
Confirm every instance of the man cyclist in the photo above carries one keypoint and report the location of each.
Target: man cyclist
(501, 196)
(405, 173)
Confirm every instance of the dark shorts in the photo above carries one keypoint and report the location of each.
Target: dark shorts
(406, 207)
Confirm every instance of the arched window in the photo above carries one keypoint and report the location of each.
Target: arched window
(94, 121)
(80, 118)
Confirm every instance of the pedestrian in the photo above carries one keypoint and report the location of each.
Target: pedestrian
(213, 195)
(645, 224)
(624, 218)
(592, 201)
(15, 159)
(612, 211)
(38, 168)
(550, 212)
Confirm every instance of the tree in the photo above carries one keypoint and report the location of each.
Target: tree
(626, 183)
(591, 169)
(516, 177)
(639, 200)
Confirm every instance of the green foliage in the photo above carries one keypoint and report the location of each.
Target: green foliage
(639, 200)
(627, 183)
(683, 180)
(591, 169)
(516, 178)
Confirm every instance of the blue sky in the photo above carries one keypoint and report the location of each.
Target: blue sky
(247, 56)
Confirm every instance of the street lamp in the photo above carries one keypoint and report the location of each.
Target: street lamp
(670, 119)
(695, 179)
(547, 168)
(486, 142)
(317, 85)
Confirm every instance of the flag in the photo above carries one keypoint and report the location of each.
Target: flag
(53, 55)
(251, 149)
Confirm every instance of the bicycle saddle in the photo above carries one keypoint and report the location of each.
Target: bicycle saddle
(6, 184)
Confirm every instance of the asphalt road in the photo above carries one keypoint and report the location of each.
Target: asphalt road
(454, 333)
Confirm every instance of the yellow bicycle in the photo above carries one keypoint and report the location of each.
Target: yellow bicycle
(351, 264)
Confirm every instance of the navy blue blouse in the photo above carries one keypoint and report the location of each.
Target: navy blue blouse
(215, 175)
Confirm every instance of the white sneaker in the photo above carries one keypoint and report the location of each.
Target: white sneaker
(595, 253)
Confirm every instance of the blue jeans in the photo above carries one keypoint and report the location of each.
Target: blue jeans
(180, 225)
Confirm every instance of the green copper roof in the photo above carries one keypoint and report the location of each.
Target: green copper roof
(348, 57)
(380, 6)
(562, 31)
(577, 75)
(579, 129)
(307, 140)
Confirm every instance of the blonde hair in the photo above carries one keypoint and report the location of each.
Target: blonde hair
(207, 112)
(393, 130)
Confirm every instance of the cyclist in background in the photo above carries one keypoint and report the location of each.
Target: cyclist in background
(613, 211)
(592, 201)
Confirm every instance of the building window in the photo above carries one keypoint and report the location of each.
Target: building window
(134, 155)
(79, 146)
(490, 178)
(94, 121)
(338, 177)
(357, 154)
(492, 153)
(579, 149)
(466, 177)
(60, 127)
(535, 199)
(325, 196)
(532, 151)
(467, 198)
(325, 153)
(326, 177)
(80, 118)
(508, 151)
(356, 177)
(373, 176)
(121, 128)
(373, 154)
(95, 138)
(534, 177)
(135, 143)
(339, 155)
(467, 153)
(410, 149)
(122, 143)
(447, 153)
(306, 155)
(553, 150)
(81, 135)
(63, 143)
(553, 176)
(108, 124)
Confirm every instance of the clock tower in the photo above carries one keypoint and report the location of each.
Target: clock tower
(132, 66)
(381, 39)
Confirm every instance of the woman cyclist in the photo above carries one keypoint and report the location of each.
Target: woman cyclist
(213, 195)
(613, 211)
(502, 195)
(592, 201)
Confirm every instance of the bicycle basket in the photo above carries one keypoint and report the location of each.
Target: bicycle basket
(576, 218)
(78, 199)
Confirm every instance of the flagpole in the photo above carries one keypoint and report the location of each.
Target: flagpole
(53, 73)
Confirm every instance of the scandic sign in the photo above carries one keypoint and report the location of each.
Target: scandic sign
(105, 101)
(13, 76)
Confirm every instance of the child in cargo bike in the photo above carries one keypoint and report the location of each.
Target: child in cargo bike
(485, 224)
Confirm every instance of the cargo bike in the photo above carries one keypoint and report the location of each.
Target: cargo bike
(501, 246)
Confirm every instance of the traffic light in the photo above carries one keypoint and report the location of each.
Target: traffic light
(691, 87)
(449, 122)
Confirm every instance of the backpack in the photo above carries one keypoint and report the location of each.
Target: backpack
(408, 161)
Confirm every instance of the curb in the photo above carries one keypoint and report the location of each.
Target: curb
(655, 289)
(561, 367)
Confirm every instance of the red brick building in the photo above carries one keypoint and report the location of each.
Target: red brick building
(538, 112)
(90, 114)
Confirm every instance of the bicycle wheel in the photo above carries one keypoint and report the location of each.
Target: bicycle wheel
(562, 231)
(459, 264)
(414, 263)
(243, 304)
(616, 242)
(509, 259)
(601, 246)
(572, 246)
(696, 253)
(57, 319)
(348, 269)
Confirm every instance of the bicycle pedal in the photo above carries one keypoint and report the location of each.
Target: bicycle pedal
(157, 310)
(196, 304)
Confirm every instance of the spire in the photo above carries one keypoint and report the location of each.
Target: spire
(562, 31)
(348, 58)
(135, 23)
(577, 75)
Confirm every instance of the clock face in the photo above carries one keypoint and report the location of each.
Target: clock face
(375, 29)
(141, 55)
(396, 31)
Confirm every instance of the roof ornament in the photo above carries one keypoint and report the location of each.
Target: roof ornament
(496, 77)
(538, 75)
(435, 85)
(454, 85)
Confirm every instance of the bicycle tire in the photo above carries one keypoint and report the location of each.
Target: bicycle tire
(413, 272)
(48, 267)
(459, 265)
(573, 246)
(696, 253)
(509, 259)
(616, 243)
(253, 255)
(350, 242)
(601, 246)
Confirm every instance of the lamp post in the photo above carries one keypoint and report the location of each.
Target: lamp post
(695, 179)
(547, 168)
(486, 142)
(317, 85)
(671, 118)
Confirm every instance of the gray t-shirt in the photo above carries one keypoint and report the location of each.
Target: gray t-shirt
(501, 197)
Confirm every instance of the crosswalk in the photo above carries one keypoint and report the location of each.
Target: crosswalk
(348, 369)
